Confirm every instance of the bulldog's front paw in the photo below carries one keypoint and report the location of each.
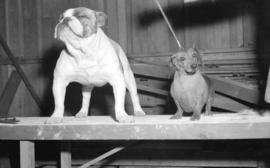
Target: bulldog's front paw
(139, 113)
(54, 120)
(125, 119)
(81, 114)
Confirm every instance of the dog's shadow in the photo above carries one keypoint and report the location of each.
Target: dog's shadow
(101, 100)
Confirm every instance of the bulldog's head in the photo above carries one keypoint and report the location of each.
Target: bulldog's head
(79, 23)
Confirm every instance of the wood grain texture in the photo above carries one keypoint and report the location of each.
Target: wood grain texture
(151, 127)
(65, 154)
(27, 154)
(8, 93)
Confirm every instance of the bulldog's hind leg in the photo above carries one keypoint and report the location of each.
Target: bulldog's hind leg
(132, 88)
(86, 96)
(59, 91)
(119, 90)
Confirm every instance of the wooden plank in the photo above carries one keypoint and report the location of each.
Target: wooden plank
(153, 90)
(65, 154)
(236, 89)
(106, 155)
(122, 21)
(150, 127)
(27, 154)
(227, 103)
(113, 22)
(8, 93)
(151, 70)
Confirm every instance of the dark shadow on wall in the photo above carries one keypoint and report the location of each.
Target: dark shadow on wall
(263, 43)
(194, 13)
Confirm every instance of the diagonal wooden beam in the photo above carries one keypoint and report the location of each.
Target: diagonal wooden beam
(8, 93)
(20, 71)
(236, 89)
(107, 154)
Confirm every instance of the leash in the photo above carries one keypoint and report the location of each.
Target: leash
(168, 23)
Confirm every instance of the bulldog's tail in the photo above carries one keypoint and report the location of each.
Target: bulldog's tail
(129, 79)
(128, 74)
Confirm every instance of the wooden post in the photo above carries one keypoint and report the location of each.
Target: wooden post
(267, 90)
(65, 155)
(27, 154)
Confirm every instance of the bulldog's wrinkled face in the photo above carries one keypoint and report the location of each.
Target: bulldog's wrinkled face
(187, 61)
(79, 23)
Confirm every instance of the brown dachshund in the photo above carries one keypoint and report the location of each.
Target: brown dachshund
(190, 89)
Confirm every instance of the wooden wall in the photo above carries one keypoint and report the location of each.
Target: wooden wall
(225, 27)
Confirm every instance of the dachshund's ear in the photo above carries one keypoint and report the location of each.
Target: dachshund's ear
(174, 62)
(198, 55)
(194, 45)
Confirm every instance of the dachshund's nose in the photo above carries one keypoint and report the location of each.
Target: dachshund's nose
(194, 66)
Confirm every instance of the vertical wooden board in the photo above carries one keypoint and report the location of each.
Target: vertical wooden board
(249, 24)
(30, 108)
(39, 27)
(122, 20)
(192, 30)
(92, 4)
(129, 25)
(12, 26)
(236, 28)
(205, 29)
(29, 10)
(3, 19)
(27, 154)
(48, 17)
(65, 155)
(177, 19)
(150, 33)
(112, 25)
(3, 69)
(222, 35)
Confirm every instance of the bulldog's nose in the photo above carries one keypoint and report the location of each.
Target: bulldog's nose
(194, 66)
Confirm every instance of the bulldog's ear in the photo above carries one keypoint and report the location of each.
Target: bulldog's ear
(101, 19)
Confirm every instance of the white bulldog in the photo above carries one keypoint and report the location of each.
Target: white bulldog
(92, 59)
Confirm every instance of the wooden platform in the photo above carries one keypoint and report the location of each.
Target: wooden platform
(155, 127)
